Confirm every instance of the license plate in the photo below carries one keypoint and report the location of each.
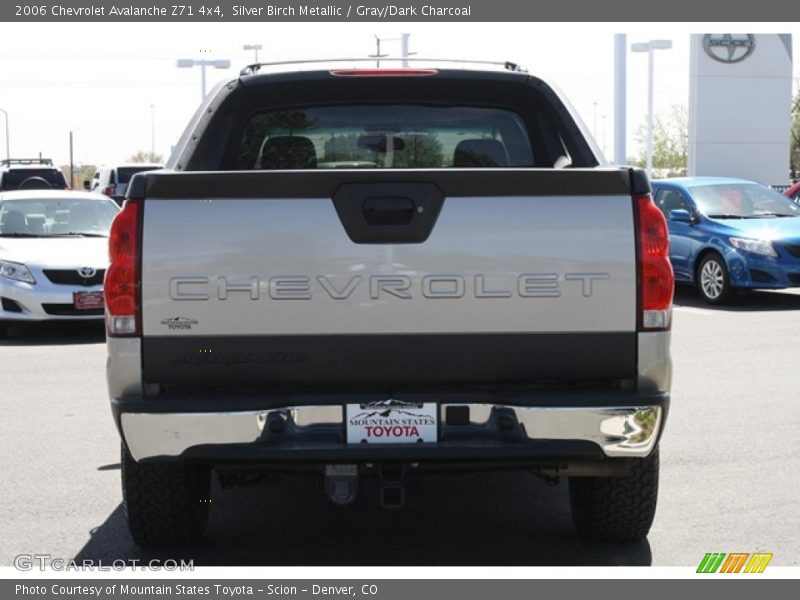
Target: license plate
(391, 422)
(87, 300)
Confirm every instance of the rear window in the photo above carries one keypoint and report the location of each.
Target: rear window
(32, 178)
(124, 174)
(383, 137)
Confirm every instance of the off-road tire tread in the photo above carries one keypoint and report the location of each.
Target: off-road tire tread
(165, 504)
(616, 509)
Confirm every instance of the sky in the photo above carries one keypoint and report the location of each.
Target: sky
(117, 88)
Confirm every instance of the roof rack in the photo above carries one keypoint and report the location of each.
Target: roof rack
(507, 65)
(26, 161)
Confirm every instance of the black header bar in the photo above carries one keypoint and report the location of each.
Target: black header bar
(207, 11)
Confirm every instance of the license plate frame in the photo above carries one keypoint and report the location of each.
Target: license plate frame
(392, 422)
(88, 300)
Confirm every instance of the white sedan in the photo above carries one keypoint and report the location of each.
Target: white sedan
(53, 255)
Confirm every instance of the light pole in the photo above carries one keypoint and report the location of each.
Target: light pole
(71, 164)
(378, 54)
(255, 48)
(187, 63)
(8, 146)
(404, 52)
(620, 97)
(650, 47)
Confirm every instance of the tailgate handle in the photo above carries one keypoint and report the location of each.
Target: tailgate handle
(388, 210)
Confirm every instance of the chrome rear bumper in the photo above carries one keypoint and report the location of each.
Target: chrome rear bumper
(628, 431)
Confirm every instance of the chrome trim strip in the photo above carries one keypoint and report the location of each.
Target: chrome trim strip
(305, 416)
(619, 431)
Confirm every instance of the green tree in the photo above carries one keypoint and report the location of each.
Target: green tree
(421, 151)
(670, 142)
(145, 157)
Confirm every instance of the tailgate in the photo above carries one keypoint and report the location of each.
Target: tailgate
(391, 278)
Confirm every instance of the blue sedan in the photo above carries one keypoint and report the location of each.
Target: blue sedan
(727, 234)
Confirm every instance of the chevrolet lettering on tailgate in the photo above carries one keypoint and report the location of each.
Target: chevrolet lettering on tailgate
(301, 287)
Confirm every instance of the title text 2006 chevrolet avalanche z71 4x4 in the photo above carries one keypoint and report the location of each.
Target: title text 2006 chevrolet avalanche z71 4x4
(366, 272)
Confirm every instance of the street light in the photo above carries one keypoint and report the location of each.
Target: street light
(8, 151)
(404, 52)
(187, 63)
(378, 54)
(255, 48)
(650, 47)
(71, 163)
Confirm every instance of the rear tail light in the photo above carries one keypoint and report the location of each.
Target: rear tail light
(384, 72)
(108, 191)
(656, 282)
(121, 286)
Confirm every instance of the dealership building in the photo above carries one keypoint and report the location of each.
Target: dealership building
(740, 98)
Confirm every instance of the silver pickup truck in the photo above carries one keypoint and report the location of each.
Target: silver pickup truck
(383, 272)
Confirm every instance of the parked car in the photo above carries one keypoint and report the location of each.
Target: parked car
(53, 255)
(30, 174)
(730, 234)
(794, 192)
(113, 181)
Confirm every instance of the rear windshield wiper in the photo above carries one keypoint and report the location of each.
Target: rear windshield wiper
(761, 215)
(724, 216)
(17, 234)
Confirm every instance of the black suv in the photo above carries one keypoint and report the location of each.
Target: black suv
(30, 174)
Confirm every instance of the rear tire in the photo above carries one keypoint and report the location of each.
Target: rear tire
(4, 326)
(616, 509)
(713, 280)
(165, 504)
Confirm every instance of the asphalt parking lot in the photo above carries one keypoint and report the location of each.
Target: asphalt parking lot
(729, 477)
